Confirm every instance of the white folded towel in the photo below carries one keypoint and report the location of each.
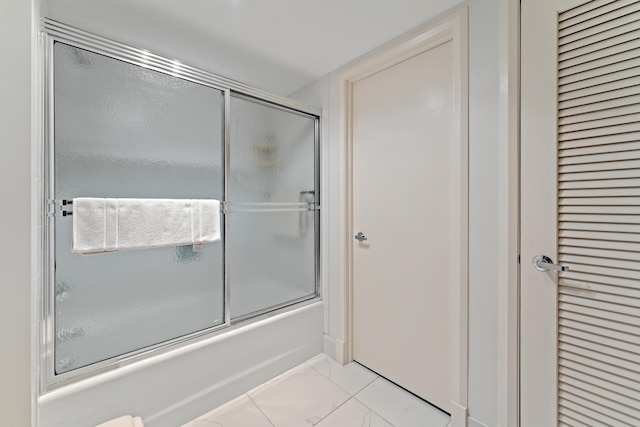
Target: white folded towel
(126, 421)
(109, 225)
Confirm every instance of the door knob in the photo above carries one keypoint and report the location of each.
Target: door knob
(360, 237)
(544, 263)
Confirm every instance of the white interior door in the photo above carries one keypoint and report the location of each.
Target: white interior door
(403, 195)
(580, 191)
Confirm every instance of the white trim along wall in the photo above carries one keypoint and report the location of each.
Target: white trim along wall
(509, 216)
(453, 28)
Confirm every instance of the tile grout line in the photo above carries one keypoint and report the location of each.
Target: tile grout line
(352, 396)
(342, 388)
(332, 382)
(333, 410)
(285, 374)
(371, 409)
(260, 409)
(366, 385)
(331, 370)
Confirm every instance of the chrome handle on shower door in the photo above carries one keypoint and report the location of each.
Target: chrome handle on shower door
(544, 263)
(360, 237)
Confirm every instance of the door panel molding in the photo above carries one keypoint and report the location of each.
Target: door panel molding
(454, 28)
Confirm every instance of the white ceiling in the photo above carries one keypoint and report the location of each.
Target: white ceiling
(277, 45)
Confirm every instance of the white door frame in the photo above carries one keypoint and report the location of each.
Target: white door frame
(509, 217)
(453, 27)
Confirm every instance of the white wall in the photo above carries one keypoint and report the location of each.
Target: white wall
(15, 215)
(483, 205)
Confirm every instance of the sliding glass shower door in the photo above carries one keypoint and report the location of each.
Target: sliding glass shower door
(124, 131)
(272, 206)
(125, 124)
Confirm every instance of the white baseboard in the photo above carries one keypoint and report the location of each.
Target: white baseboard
(329, 347)
(340, 352)
(458, 415)
(334, 348)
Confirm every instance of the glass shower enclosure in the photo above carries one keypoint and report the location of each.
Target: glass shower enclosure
(128, 124)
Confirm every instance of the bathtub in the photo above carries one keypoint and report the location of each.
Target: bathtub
(172, 388)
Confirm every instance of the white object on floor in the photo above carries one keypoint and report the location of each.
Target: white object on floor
(109, 225)
(126, 421)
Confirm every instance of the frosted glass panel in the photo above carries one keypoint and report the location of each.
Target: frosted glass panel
(271, 259)
(272, 153)
(271, 188)
(126, 131)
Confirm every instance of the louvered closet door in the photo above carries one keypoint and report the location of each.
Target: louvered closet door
(581, 206)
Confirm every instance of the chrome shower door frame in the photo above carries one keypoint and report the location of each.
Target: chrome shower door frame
(52, 32)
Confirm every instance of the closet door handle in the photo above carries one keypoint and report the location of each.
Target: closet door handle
(544, 263)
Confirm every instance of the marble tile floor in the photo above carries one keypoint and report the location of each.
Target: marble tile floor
(322, 393)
